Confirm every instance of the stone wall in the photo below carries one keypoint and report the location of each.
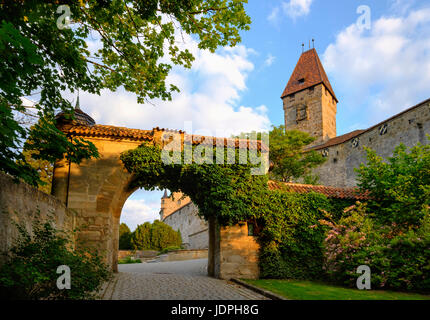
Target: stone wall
(409, 127)
(319, 108)
(19, 202)
(172, 203)
(235, 253)
(194, 230)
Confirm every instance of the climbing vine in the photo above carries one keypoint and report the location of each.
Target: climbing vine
(290, 245)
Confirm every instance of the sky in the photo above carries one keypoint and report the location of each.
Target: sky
(378, 65)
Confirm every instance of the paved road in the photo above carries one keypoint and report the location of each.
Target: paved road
(182, 280)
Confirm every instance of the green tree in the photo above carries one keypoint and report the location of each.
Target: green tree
(40, 58)
(155, 236)
(399, 185)
(124, 237)
(288, 156)
(141, 237)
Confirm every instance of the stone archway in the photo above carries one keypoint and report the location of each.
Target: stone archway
(97, 189)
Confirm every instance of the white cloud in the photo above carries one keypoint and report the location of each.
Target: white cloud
(274, 15)
(297, 8)
(388, 64)
(209, 97)
(138, 211)
(269, 60)
(292, 8)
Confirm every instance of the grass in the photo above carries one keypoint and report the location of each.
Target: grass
(128, 260)
(307, 290)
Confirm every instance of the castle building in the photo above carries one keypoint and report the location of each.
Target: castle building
(181, 214)
(310, 105)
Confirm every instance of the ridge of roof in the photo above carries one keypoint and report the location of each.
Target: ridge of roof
(328, 191)
(309, 68)
(99, 130)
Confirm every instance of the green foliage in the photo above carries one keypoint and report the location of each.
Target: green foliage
(398, 257)
(224, 191)
(290, 242)
(288, 156)
(128, 260)
(392, 233)
(137, 37)
(124, 237)
(44, 168)
(168, 249)
(31, 265)
(155, 236)
(400, 186)
(230, 194)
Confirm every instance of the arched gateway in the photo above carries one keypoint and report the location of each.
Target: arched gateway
(97, 189)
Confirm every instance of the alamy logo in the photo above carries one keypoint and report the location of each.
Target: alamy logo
(63, 21)
(364, 21)
(363, 281)
(64, 281)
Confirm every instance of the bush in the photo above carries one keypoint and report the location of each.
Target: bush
(31, 265)
(128, 260)
(124, 237)
(168, 249)
(290, 242)
(155, 236)
(398, 257)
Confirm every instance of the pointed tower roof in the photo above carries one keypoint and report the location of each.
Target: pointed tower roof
(308, 73)
(165, 194)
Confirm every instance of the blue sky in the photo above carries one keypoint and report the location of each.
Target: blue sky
(374, 72)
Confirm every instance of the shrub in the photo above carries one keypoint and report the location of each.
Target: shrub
(31, 264)
(290, 242)
(124, 237)
(155, 236)
(128, 260)
(398, 257)
(168, 249)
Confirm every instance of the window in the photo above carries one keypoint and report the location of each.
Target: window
(301, 113)
(253, 229)
(301, 80)
(311, 89)
(250, 229)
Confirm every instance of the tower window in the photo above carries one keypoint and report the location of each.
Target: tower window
(301, 113)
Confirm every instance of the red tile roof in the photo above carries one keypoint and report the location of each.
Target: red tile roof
(148, 135)
(330, 192)
(111, 131)
(338, 140)
(353, 134)
(311, 70)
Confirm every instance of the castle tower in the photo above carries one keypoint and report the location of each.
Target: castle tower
(309, 101)
(172, 203)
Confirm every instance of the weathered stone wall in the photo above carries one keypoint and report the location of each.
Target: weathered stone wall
(97, 190)
(19, 202)
(409, 127)
(173, 203)
(238, 253)
(194, 230)
(321, 108)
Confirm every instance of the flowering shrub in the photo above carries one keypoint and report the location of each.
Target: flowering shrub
(398, 256)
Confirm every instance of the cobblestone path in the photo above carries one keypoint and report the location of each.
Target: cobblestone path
(182, 280)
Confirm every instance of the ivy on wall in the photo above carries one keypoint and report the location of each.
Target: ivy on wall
(290, 244)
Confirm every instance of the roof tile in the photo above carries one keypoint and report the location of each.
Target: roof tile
(330, 192)
(311, 70)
